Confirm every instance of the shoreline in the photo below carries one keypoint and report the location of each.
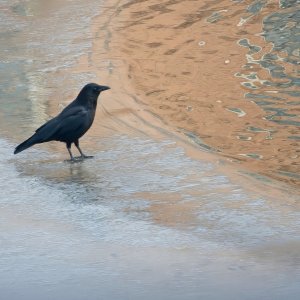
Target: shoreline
(167, 88)
(154, 214)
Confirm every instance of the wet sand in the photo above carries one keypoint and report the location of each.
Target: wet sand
(182, 66)
(142, 220)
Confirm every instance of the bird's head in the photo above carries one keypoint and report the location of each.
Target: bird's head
(94, 89)
(91, 91)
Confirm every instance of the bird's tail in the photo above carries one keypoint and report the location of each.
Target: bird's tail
(26, 144)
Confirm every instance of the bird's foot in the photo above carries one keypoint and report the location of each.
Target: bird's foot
(78, 158)
(74, 160)
(82, 157)
(86, 156)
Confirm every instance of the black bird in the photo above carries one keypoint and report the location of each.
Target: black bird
(71, 124)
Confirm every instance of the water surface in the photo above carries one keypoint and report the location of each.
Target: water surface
(141, 220)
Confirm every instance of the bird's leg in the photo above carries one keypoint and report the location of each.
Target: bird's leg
(81, 153)
(69, 150)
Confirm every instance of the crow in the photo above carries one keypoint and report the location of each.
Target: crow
(71, 124)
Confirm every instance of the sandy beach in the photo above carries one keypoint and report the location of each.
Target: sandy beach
(184, 66)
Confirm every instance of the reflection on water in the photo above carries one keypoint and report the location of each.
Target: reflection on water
(280, 29)
(123, 213)
(158, 181)
(216, 69)
(277, 90)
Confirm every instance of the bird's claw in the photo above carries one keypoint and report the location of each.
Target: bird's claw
(71, 161)
(78, 158)
(74, 160)
(86, 156)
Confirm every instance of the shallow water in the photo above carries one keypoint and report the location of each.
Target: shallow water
(141, 220)
(278, 92)
(224, 72)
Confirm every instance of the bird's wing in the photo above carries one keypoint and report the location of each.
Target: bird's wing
(72, 125)
(66, 112)
(65, 123)
(49, 123)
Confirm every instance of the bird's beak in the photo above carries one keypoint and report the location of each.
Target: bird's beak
(104, 88)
